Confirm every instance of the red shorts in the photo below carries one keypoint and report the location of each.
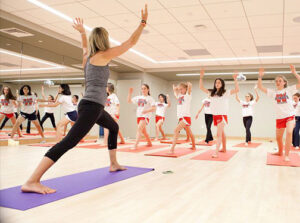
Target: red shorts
(281, 123)
(219, 118)
(186, 120)
(157, 118)
(8, 115)
(142, 118)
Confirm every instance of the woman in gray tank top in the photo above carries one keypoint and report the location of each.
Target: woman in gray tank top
(96, 56)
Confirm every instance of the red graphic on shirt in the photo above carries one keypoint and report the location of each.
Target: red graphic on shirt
(281, 98)
(27, 101)
(108, 102)
(180, 100)
(207, 104)
(141, 102)
(160, 105)
(295, 105)
(4, 102)
(245, 105)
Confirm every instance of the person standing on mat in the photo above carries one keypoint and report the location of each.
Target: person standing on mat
(145, 106)
(219, 107)
(183, 94)
(65, 100)
(112, 106)
(247, 111)
(282, 97)
(49, 111)
(296, 132)
(96, 56)
(161, 107)
(208, 118)
(27, 101)
(28, 128)
(7, 105)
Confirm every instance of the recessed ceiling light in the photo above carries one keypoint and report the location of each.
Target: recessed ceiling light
(40, 41)
(8, 44)
(200, 26)
(297, 19)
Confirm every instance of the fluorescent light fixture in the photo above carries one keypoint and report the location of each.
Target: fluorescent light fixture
(31, 69)
(45, 79)
(231, 73)
(69, 19)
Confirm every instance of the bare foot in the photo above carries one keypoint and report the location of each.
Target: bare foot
(193, 148)
(149, 144)
(215, 155)
(222, 150)
(122, 142)
(116, 167)
(187, 140)
(287, 158)
(277, 154)
(36, 188)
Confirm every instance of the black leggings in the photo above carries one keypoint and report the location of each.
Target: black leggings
(89, 113)
(296, 132)
(29, 122)
(45, 117)
(6, 119)
(208, 122)
(247, 123)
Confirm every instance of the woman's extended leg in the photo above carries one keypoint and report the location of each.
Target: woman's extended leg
(177, 130)
(189, 131)
(39, 128)
(142, 124)
(279, 137)
(288, 139)
(220, 129)
(16, 126)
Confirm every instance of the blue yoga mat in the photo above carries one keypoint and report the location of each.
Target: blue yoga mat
(66, 186)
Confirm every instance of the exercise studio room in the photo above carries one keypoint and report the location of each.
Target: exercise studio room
(150, 111)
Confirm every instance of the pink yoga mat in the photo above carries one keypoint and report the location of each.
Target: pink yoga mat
(250, 145)
(141, 148)
(177, 153)
(222, 156)
(279, 160)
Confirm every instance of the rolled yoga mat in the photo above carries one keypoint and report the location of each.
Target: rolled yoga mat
(66, 186)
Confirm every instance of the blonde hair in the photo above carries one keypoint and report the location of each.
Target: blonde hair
(284, 79)
(184, 85)
(98, 41)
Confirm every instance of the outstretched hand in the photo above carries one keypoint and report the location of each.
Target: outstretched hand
(261, 72)
(235, 75)
(78, 25)
(130, 90)
(202, 73)
(293, 69)
(144, 13)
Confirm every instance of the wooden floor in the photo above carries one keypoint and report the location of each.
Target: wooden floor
(242, 190)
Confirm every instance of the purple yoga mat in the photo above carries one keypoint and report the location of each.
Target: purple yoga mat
(66, 186)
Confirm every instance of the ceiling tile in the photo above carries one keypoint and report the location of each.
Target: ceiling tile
(137, 6)
(75, 10)
(210, 36)
(42, 15)
(100, 22)
(265, 7)
(291, 6)
(266, 21)
(170, 28)
(178, 3)
(268, 41)
(193, 26)
(124, 20)
(111, 7)
(19, 4)
(231, 23)
(191, 13)
(225, 10)
(267, 32)
(180, 38)
(159, 17)
(236, 34)
(206, 2)
(289, 20)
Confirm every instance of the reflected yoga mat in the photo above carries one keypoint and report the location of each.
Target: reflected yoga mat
(203, 143)
(66, 186)
(250, 145)
(177, 153)
(222, 156)
(279, 160)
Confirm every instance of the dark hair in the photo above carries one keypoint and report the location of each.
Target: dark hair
(251, 96)
(51, 96)
(36, 95)
(9, 95)
(147, 86)
(76, 96)
(111, 87)
(217, 92)
(297, 94)
(164, 96)
(66, 89)
(22, 92)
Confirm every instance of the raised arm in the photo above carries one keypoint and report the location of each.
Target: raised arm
(119, 50)
(189, 90)
(199, 111)
(259, 82)
(201, 86)
(78, 25)
(169, 102)
(130, 95)
(175, 91)
(293, 70)
(237, 98)
(236, 84)
(50, 105)
(43, 92)
(257, 95)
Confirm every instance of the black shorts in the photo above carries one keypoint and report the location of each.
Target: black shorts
(72, 116)
(30, 117)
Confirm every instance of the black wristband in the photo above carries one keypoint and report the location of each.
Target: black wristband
(143, 22)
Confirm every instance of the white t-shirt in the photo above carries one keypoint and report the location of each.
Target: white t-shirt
(7, 107)
(297, 108)
(220, 105)
(161, 108)
(283, 101)
(49, 109)
(247, 108)
(206, 102)
(66, 103)
(184, 105)
(111, 104)
(143, 103)
(28, 103)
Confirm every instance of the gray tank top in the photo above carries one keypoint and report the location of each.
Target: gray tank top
(96, 78)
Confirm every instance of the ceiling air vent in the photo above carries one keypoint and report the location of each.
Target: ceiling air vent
(16, 32)
(269, 49)
(197, 52)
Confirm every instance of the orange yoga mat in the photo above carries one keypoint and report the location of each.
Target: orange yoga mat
(222, 156)
(98, 146)
(180, 141)
(250, 145)
(279, 160)
(177, 153)
(203, 143)
(141, 148)
(294, 149)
